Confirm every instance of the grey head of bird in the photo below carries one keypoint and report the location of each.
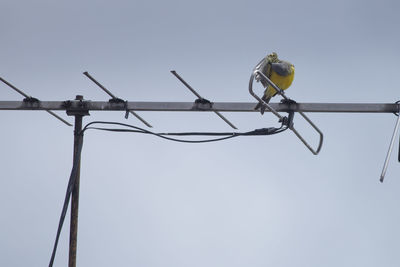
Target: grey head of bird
(273, 57)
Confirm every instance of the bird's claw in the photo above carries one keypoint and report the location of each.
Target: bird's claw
(262, 109)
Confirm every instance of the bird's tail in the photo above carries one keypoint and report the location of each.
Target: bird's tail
(262, 107)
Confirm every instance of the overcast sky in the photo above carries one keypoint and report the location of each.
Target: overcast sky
(249, 201)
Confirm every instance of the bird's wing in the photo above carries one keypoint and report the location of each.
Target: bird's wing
(264, 67)
(267, 72)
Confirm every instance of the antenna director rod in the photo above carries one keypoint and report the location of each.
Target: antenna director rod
(26, 96)
(186, 84)
(99, 84)
(198, 96)
(114, 97)
(13, 87)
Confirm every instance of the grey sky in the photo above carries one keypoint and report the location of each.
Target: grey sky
(264, 201)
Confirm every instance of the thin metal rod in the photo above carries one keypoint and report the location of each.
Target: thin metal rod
(385, 165)
(58, 117)
(198, 96)
(217, 106)
(114, 97)
(26, 96)
(13, 87)
(140, 118)
(186, 84)
(225, 119)
(398, 156)
(99, 84)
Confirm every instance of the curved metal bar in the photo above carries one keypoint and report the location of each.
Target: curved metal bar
(321, 135)
(256, 71)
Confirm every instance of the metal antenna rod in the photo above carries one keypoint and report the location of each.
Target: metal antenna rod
(389, 153)
(114, 97)
(197, 94)
(26, 96)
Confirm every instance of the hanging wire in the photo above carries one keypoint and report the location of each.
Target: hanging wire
(228, 135)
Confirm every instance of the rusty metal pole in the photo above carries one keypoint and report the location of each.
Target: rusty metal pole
(75, 199)
(73, 237)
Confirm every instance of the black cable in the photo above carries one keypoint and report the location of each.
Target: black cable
(228, 135)
(160, 135)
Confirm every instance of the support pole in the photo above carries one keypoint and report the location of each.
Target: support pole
(73, 236)
(75, 199)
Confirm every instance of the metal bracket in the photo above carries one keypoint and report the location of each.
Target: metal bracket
(202, 104)
(257, 73)
(77, 107)
(116, 100)
(30, 99)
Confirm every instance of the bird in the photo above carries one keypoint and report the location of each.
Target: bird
(280, 72)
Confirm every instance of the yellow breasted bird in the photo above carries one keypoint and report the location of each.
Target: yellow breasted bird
(280, 72)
